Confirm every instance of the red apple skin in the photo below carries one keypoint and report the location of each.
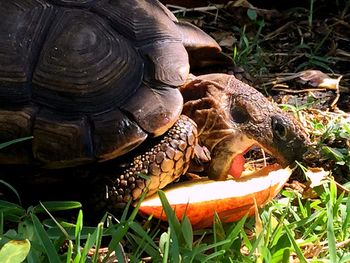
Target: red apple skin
(229, 209)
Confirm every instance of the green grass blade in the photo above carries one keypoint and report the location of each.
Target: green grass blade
(77, 258)
(119, 253)
(246, 241)
(45, 241)
(88, 244)
(55, 221)
(137, 228)
(172, 219)
(337, 203)
(165, 240)
(69, 252)
(218, 230)
(215, 245)
(234, 232)
(117, 236)
(174, 252)
(214, 255)
(1, 223)
(137, 206)
(330, 234)
(143, 246)
(281, 255)
(123, 218)
(119, 231)
(92, 239)
(6, 144)
(98, 241)
(56, 206)
(177, 237)
(33, 257)
(143, 239)
(302, 209)
(12, 189)
(255, 245)
(187, 232)
(286, 255)
(316, 222)
(295, 245)
(346, 220)
(78, 228)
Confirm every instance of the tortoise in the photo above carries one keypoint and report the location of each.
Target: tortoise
(96, 80)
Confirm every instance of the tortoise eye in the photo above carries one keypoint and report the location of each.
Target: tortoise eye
(279, 128)
(239, 115)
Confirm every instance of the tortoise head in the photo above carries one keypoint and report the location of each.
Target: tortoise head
(232, 117)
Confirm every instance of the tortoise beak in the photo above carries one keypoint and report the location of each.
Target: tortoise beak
(224, 154)
(288, 151)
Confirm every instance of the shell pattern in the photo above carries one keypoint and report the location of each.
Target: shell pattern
(88, 79)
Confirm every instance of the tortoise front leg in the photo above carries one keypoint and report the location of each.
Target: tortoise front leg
(157, 167)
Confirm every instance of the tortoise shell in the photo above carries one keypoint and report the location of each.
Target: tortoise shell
(90, 80)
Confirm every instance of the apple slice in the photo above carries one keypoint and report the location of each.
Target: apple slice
(231, 199)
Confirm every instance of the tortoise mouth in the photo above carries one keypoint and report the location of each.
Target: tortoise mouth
(228, 157)
(251, 160)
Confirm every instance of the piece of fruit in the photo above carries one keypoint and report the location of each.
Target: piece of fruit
(230, 199)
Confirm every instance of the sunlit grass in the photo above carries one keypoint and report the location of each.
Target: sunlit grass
(289, 228)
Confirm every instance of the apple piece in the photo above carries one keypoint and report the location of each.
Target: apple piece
(231, 199)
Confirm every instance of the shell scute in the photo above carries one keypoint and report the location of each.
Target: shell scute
(24, 25)
(85, 62)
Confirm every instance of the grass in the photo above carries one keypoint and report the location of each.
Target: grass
(250, 48)
(290, 42)
(292, 227)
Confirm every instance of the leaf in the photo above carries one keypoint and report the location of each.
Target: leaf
(12, 189)
(11, 211)
(252, 14)
(316, 176)
(334, 153)
(14, 251)
(56, 206)
(45, 240)
(187, 232)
